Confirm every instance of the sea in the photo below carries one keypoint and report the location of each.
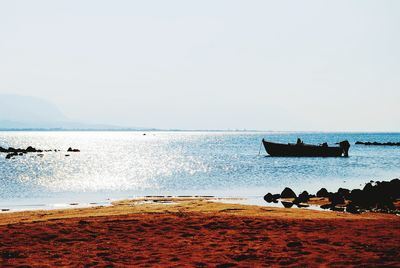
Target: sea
(113, 165)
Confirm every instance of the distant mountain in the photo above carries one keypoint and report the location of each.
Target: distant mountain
(25, 112)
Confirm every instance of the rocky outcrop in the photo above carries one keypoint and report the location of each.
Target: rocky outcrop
(12, 152)
(378, 143)
(380, 196)
(288, 193)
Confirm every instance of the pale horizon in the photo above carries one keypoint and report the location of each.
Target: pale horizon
(260, 65)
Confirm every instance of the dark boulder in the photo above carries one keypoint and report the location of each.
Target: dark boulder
(269, 198)
(344, 192)
(30, 149)
(395, 188)
(356, 196)
(288, 193)
(73, 150)
(304, 197)
(336, 198)
(351, 208)
(323, 193)
(276, 196)
(11, 155)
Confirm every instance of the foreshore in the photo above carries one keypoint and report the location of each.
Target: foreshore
(197, 232)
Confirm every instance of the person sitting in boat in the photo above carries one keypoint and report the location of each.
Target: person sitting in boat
(299, 142)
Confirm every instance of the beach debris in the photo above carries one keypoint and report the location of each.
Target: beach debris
(379, 196)
(378, 143)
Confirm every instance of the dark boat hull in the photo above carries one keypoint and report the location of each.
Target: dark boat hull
(278, 149)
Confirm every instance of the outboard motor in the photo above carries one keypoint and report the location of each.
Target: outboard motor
(345, 145)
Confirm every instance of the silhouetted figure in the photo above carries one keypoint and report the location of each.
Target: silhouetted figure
(345, 145)
(299, 142)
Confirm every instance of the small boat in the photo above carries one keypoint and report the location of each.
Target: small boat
(301, 149)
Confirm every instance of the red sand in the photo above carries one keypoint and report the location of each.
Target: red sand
(195, 239)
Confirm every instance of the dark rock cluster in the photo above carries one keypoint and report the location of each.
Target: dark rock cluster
(375, 196)
(379, 143)
(288, 193)
(12, 152)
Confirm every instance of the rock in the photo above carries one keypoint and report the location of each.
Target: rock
(336, 198)
(395, 188)
(276, 196)
(322, 193)
(344, 192)
(338, 209)
(385, 204)
(304, 197)
(268, 198)
(357, 196)
(271, 197)
(73, 150)
(288, 193)
(351, 208)
(379, 143)
(287, 204)
(30, 149)
(11, 155)
(326, 206)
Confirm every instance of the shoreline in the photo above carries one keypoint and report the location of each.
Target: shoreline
(187, 204)
(197, 232)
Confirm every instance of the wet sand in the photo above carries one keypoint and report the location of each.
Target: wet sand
(199, 233)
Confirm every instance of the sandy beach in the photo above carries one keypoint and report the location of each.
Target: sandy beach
(197, 232)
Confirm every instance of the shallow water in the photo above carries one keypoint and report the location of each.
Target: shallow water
(114, 165)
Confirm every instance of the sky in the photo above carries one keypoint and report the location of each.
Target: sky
(265, 65)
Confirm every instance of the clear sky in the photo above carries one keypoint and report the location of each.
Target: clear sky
(270, 65)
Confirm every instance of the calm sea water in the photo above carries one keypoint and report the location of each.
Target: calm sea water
(127, 164)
